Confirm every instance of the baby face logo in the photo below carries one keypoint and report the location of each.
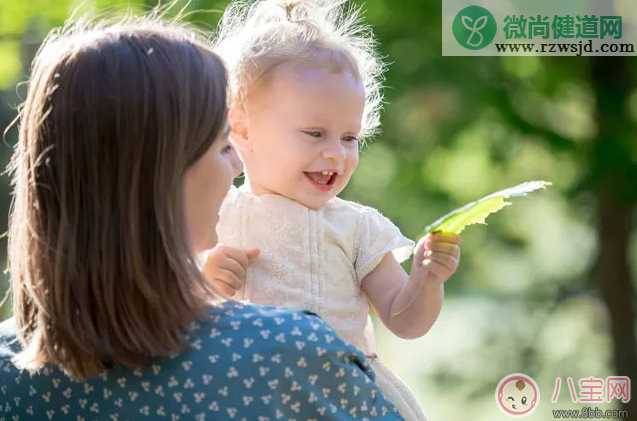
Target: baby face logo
(517, 395)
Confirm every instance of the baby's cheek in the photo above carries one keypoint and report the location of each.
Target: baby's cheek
(352, 163)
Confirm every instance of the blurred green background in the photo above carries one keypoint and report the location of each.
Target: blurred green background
(548, 289)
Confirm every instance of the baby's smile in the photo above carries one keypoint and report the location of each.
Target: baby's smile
(322, 180)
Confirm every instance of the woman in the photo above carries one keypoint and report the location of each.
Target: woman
(122, 158)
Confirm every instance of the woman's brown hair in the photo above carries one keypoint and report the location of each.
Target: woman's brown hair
(101, 268)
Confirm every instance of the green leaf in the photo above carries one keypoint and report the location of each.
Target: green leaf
(477, 212)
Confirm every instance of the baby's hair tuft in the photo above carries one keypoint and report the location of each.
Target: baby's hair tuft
(254, 37)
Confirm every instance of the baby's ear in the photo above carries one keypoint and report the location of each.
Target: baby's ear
(238, 120)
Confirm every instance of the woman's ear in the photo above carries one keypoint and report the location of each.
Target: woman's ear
(238, 120)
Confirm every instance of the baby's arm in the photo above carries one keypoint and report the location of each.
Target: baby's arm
(409, 304)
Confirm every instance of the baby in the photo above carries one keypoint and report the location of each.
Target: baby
(306, 84)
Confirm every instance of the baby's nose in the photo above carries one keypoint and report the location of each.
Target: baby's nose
(334, 152)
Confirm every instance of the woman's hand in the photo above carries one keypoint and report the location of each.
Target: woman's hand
(226, 268)
(436, 259)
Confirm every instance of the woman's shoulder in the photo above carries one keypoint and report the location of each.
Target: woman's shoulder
(244, 335)
(298, 356)
(235, 318)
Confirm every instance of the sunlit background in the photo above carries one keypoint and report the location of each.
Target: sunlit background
(548, 288)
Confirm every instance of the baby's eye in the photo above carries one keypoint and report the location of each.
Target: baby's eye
(350, 139)
(226, 149)
(313, 133)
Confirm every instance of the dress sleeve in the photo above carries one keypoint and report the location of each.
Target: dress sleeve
(376, 236)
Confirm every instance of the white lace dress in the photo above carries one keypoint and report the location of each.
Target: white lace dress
(315, 260)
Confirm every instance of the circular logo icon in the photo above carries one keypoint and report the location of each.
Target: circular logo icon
(517, 395)
(474, 27)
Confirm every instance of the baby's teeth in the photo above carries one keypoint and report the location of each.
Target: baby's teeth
(325, 172)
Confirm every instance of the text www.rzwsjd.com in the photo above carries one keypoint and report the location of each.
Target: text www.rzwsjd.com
(577, 48)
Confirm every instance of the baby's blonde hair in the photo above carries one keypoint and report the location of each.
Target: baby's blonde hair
(254, 37)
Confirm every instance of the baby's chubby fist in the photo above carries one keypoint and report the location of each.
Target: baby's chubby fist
(226, 267)
(437, 257)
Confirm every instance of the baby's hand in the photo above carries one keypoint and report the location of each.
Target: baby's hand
(226, 268)
(437, 257)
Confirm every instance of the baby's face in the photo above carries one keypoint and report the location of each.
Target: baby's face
(303, 124)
